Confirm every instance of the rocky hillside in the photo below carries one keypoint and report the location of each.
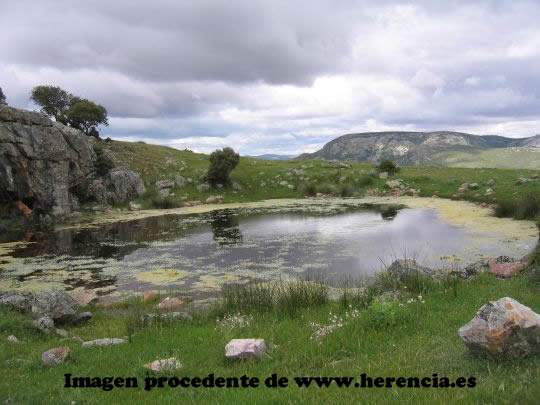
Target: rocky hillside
(413, 148)
(48, 168)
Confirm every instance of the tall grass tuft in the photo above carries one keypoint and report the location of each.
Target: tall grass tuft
(527, 207)
(280, 296)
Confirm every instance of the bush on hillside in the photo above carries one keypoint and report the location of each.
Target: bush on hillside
(387, 166)
(222, 163)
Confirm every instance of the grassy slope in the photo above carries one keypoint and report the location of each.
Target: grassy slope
(423, 342)
(504, 158)
(150, 162)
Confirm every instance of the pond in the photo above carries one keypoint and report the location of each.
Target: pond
(199, 253)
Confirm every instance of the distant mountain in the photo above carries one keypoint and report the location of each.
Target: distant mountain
(417, 148)
(270, 156)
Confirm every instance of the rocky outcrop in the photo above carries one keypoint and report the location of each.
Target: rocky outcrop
(503, 327)
(51, 167)
(412, 148)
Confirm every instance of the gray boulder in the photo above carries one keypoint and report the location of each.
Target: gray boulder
(44, 324)
(405, 267)
(503, 327)
(118, 186)
(55, 304)
(18, 300)
(161, 184)
(180, 181)
(203, 187)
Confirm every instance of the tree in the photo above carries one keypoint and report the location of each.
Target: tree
(222, 163)
(2, 97)
(86, 115)
(388, 166)
(53, 100)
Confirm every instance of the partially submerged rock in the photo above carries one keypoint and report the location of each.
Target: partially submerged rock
(503, 327)
(54, 357)
(169, 364)
(104, 342)
(245, 349)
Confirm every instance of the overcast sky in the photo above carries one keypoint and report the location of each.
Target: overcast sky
(280, 76)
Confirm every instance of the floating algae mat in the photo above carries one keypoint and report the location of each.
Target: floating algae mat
(199, 251)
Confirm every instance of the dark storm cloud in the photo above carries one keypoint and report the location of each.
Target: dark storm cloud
(281, 75)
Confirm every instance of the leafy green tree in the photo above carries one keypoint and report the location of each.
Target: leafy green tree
(53, 100)
(222, 163)
(86, 115)
(2, 97)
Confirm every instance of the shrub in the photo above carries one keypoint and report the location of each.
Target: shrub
(165, 203)
(326, 189)
(527, 207)
(345, 190)
(222, 162)
(364, 181)
(383, 313)
(103, 163)
(388, 166)
(309, 189)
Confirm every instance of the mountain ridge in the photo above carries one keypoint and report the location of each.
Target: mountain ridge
(414, 148)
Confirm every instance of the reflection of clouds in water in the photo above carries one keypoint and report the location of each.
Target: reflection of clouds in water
(227, 247)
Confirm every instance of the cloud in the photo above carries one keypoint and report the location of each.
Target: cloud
(280, 76)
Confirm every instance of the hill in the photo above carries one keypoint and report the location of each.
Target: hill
(443, 148)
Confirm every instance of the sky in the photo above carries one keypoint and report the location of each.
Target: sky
(278, 76)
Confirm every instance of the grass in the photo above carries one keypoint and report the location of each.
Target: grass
(388, 340)
(259, 179)
(357, 333)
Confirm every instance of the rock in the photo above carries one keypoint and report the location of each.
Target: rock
(117, 187)
(164, 192)
(473, 186)
(283, 183)
(104, 342)
(214, 199)
(404, 267)
(342, 165)
(83, 298)
(82, 317)
(290, 187)
(472, 269)
(161, 184)
(61, 332)
(54, 357)
(56, 304)
(503, 327)
(383, 175)
(489, 192)
(201, 188)
(12, 339)
(394, 183)
(43, 162)
(245, 349)
(169, 364)
(236, 186)
(133, 206)
(170, 303)
(147, 295)
(505, 270)
(169, 316)
(521, 180)
(534, 176)
(18, 300)
(44, 324)
(180, 181)
(23, 209)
